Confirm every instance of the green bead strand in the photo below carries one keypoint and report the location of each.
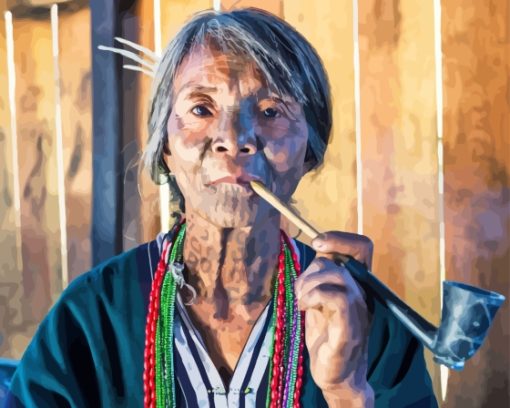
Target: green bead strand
(271, 347)
(165, 385)
(292, 272)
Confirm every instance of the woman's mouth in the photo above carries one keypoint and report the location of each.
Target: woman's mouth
(242, 181)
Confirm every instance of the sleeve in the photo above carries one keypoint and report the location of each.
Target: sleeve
(57, 369)
(396, 365)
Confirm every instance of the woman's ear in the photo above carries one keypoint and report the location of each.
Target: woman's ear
(310, 161)
(166, 157)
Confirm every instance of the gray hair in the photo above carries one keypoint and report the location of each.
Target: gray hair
(286, 60)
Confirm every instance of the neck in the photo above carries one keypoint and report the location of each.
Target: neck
(231, 266)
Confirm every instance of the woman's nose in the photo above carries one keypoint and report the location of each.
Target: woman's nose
(233, 147)
(233, 139)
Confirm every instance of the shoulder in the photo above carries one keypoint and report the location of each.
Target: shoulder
(93, 333)
(126, 271)
(117, 290)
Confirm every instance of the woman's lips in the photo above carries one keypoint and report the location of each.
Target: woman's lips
(243, 181)
(232, 180)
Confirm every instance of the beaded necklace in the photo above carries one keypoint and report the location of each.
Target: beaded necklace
(286, 328)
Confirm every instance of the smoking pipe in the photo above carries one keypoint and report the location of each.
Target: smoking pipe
(467, 315)
(467, 311)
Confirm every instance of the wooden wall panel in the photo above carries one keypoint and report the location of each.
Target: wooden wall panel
(273, 6)
(76, 106)
(328, 26)
(399, 150)
(35, 101)
(476, 86)
(174, 13)
(10, 249)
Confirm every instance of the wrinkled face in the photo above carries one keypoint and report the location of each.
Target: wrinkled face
(226, 128)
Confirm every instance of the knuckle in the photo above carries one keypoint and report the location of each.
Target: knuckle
(319, 262)
(366, 242)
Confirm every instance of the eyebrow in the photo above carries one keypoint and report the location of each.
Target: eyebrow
(196, 89)
(289, 104)
(274, 97)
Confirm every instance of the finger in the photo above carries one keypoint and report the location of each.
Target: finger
(339, 278)
(318, 264)
(339, 275)
(332, 276)
(358, 246)
(327, 296)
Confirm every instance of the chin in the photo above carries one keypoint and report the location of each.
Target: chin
(228, 220)
(229, 206)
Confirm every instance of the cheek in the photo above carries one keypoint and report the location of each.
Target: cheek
(287, 153)
(274, 129)
(186, 140)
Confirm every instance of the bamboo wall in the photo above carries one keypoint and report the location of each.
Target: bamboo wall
(419, 158)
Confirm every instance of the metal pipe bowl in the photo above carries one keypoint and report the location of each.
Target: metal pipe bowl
(467, 315)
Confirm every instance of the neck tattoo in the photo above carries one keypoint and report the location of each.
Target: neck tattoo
(286, 327)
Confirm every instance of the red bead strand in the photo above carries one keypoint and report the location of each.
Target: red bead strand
(300, 366)
(276, 394)
(150, 331)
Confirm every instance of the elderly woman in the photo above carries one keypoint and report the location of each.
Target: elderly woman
(225, 310)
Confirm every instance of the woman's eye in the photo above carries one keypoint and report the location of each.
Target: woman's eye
(201, 110)
(270, 113)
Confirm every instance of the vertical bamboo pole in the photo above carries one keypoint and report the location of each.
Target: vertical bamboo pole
(59, 282)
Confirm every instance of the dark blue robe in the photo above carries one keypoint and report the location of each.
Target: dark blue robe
(88, 351)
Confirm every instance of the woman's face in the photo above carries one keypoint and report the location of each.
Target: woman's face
(226, 128)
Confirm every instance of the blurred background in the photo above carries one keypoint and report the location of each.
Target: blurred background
(419, 158)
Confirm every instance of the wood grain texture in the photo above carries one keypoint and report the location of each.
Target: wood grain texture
(476, 68)
(273, 6)
(35, 101)
(329, 28)
(11, 288)
(399, 150)
(76, 106)
(174, 13)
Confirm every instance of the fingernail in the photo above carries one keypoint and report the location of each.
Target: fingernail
(318, 242)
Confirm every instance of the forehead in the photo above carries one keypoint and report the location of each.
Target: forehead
(206, 67)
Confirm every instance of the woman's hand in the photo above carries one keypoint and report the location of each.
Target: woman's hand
(337, 320)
